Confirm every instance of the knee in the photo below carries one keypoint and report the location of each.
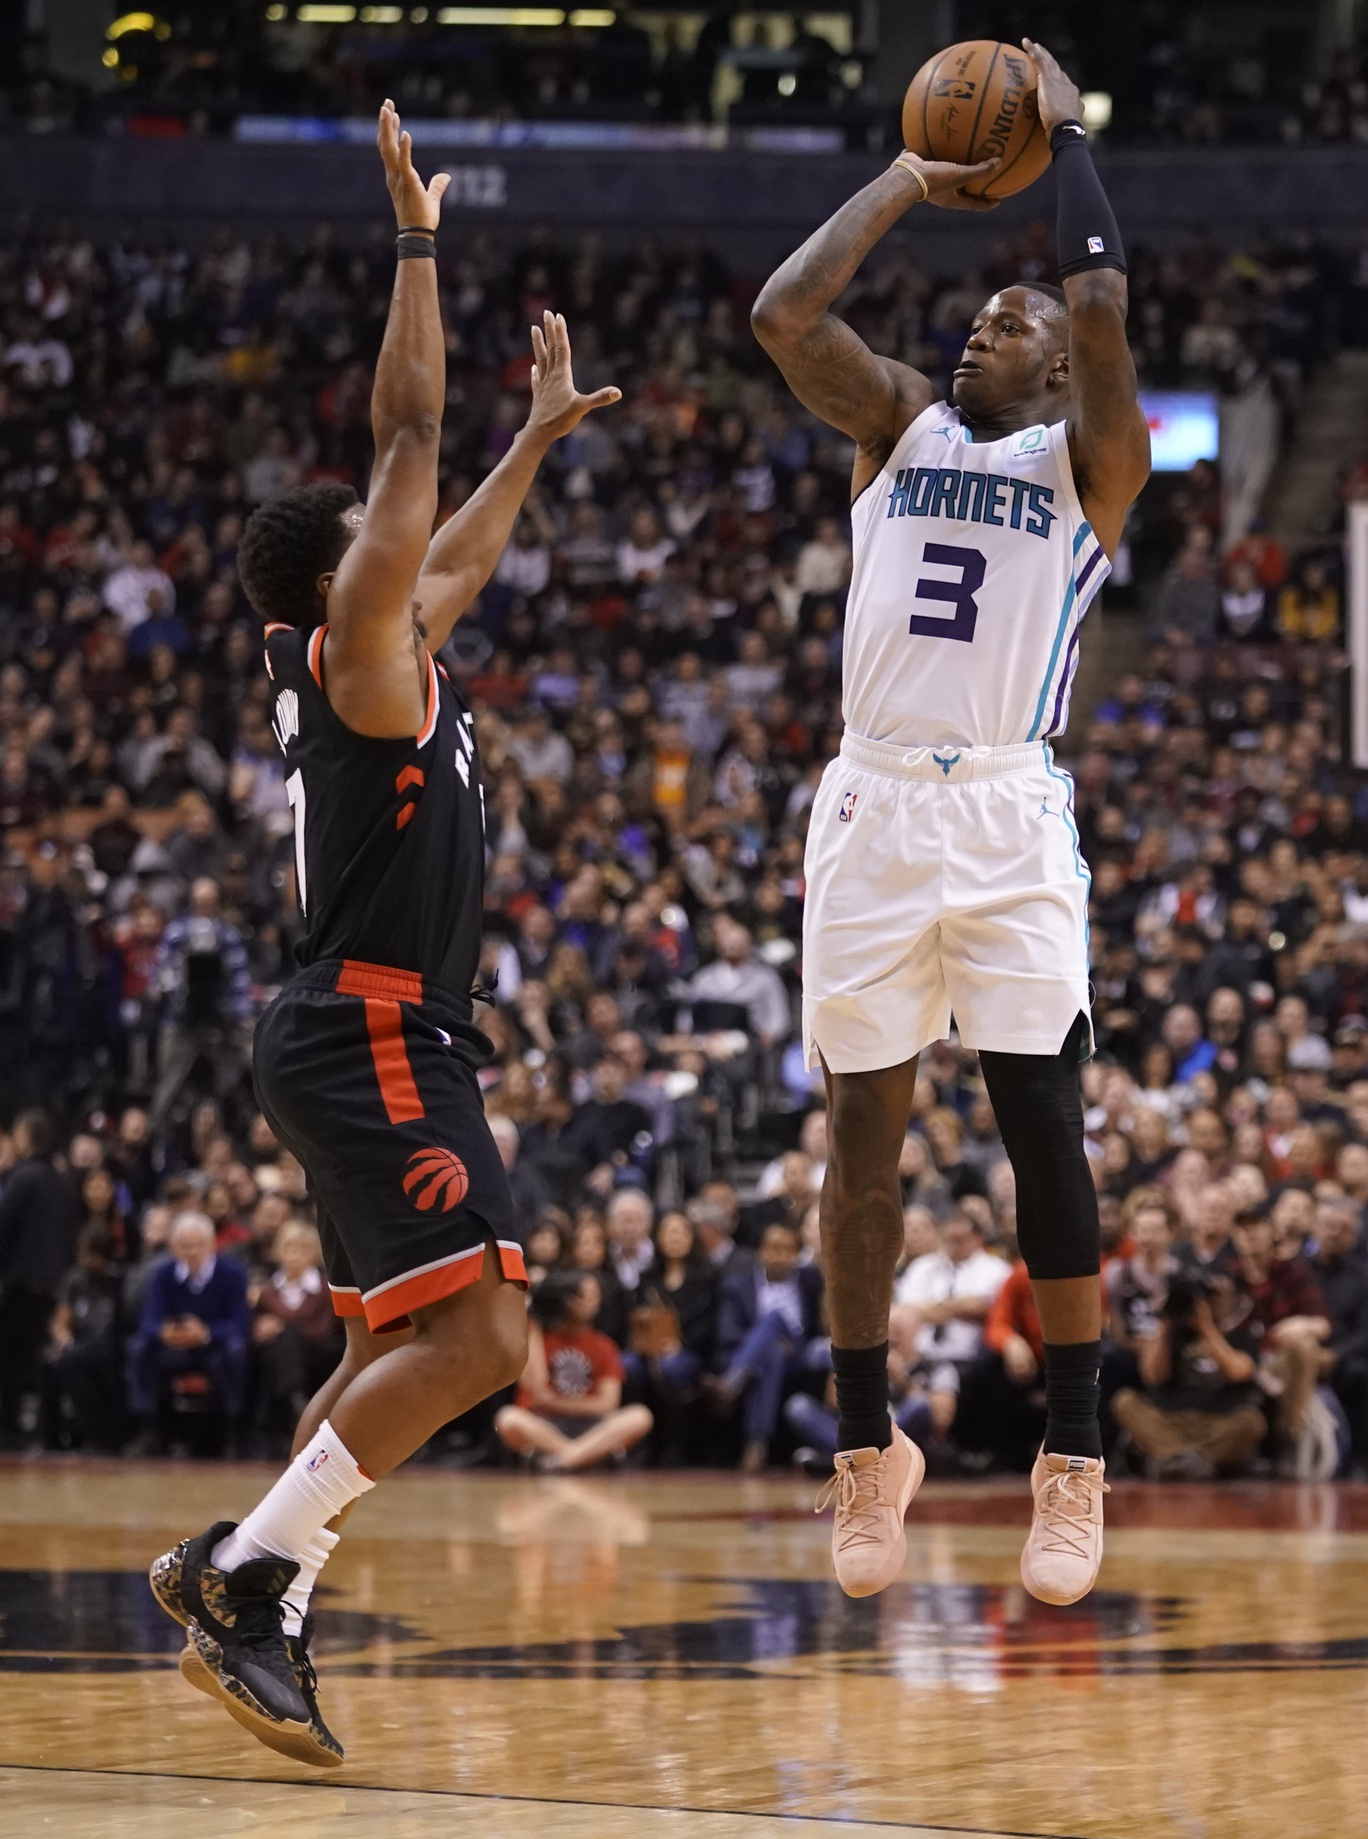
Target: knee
(636, 1422)
(508, 1345)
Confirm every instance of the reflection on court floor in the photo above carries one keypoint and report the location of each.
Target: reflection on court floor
(576, 1657)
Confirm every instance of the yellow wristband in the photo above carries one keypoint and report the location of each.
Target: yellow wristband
(902, 160)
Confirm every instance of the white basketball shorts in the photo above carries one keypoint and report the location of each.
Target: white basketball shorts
(942, 881)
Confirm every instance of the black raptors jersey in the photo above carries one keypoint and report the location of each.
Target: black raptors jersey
(389, 835)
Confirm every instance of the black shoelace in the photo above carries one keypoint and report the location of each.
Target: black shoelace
(257, 1628)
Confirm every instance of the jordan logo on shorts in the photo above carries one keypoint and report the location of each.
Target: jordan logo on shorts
(945, 764)
(847, 810)
(436, 1179)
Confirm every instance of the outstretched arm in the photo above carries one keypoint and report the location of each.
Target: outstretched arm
(376, 673)
(462, 555)
(1108, 434)
(828, 367)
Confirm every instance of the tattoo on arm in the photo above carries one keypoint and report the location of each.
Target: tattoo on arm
(827, 365)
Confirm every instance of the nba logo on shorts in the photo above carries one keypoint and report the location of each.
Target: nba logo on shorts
(847, 810)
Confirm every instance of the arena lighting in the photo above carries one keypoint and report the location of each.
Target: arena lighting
(325, 15)
(139, 22)
(1097, 110)
(276, 13)
(592, 16)
(110, 59)
(381, 15)
(501, 16)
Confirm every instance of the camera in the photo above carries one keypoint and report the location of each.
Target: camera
(1180, 1305)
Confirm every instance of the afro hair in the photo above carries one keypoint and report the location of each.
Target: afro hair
(288, 543)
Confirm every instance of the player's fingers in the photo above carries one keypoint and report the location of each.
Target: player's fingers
(539, 348)
(980, 171)
(437, 186)
(562, 337)
(601, 399)
(406, 151)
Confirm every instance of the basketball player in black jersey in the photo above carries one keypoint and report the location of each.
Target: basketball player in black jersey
(365, 1064)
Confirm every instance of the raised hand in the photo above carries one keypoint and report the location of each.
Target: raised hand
(557, 405)
(1057, 95)
(415, 205)
(945, 181)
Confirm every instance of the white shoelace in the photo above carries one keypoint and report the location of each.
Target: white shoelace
(859, 1496)
(1065, 1501)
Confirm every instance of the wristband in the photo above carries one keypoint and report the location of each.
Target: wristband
(407, 245)
(1064, 133)
(416, 229)
(917, 174)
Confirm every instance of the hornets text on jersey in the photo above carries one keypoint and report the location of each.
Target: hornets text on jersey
(973, 568)
(389, 834)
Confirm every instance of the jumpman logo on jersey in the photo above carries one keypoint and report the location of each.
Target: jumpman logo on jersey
(945, 764)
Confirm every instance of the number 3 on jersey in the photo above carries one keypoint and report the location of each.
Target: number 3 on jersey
(972, 567)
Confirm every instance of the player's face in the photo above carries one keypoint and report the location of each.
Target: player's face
(1009, 356)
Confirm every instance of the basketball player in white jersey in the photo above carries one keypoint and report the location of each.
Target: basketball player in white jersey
(944, 874)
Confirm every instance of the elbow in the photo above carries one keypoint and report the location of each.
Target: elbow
(419, 427)
(773, 321)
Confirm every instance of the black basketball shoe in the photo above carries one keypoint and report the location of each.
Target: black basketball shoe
(236, 1650)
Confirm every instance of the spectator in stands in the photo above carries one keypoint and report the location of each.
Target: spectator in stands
(569, 1413)
(297, 1338)
(39, 1217)
(737, 980)
(1198, 1409)
(770, 1337)
(672, 1328)
(188, 1354)
(940, 1303)
(1342, 1276)
(83, 1394)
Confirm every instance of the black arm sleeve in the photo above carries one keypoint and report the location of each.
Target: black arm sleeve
(1086, 234)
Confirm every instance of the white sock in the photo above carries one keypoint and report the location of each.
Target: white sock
(323, 1479)
(296, 1600)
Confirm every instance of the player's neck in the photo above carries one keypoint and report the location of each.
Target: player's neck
(1012, 417)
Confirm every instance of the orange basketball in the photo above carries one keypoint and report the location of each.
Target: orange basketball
(977, 101)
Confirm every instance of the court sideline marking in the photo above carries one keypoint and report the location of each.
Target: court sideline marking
(533, 1800)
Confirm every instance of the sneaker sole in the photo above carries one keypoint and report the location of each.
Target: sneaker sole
(897, 1556)
(199, 1668)
(1042, 1595)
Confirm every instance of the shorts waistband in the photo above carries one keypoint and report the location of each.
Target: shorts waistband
(942, 763)
(354, 977)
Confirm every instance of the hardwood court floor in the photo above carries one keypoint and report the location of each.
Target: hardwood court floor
(667, 1657)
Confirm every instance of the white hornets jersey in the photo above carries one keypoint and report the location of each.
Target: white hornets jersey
(974, 566)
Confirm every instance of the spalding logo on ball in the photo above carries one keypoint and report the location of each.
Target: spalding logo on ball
(977, 101)
(436, 1179)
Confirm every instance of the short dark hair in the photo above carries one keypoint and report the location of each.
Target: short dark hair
(553, 1296)
(41, 1132)
(288, 543)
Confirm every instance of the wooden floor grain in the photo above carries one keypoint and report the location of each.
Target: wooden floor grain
(668, 1657)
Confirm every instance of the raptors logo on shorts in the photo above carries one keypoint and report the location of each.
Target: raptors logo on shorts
(436, 1179)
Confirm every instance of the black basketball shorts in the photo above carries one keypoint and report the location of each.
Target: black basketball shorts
(361, 1080)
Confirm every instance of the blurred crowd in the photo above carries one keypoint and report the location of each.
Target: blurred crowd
(1174, 73)
(655, 668)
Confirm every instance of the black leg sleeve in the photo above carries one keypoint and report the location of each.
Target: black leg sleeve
(1040, 1114)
